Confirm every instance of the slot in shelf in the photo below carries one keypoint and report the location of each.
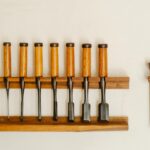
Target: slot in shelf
(31, 123)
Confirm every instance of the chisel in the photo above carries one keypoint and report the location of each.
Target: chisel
(70, 71)
(39, 73)
(7, 70)
(86, 73)
(54, 74)
(103, 73)
(22, 73)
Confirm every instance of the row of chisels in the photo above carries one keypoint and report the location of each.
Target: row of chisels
(103, 107)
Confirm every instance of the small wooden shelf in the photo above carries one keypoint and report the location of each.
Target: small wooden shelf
(47, 124)
(112, 82)
(149, 78)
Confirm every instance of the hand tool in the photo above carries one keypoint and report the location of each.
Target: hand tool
(86, 73)
(54, 74)
(38, 73)
(103, 72)
(7, 70)
(70, 73)
(22, 73)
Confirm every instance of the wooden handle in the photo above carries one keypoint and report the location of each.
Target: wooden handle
(54, 59)
(86, 60)
(103, 68)
(38, 59)
(7, 59)
(23, 59)
(70, 68)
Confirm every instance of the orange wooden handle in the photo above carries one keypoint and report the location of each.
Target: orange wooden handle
(7, 59)
(23, 59)
(86, 60)
(103, 68)
(54, 59)
(70, 68)
(38, 59)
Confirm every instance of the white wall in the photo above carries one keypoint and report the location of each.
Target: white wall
(123, 24)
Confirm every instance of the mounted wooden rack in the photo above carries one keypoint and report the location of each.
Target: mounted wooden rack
(112, 82)
(31, 123)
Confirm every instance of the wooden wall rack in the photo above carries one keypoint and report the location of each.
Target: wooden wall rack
(31, 123)
(112, 82)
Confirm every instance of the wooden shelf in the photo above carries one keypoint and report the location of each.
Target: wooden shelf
(47, 124)
(112, 82)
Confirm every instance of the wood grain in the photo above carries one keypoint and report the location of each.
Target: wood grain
(7, 60)
(111, 82)
(23, 61)
(47, 124)
(86, 62)
(103, 65)
(70, 65)
(54, 61)
(38, 61)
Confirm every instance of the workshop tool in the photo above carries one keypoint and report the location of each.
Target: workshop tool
(70, 69)
(103, 73)
(7, 70)
(38, 73)
(86, 73)
(54, 74)
(22, 73)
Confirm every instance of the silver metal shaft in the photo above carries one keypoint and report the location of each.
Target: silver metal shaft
(70, 86)
(54, 86)
(6, 81)
(38, 83)
(70, 103)
(103, 106)
(86, 87)
(103, 89)
(86, 106)
(22, 87)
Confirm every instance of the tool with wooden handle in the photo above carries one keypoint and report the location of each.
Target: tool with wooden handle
(86, 73)
(103, 73)
(22, 73)
(70, 69)
(39, 73)
(54, 74)
(7, 69)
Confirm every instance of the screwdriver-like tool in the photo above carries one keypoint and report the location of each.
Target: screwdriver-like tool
(70, 73)
(39, 73)
(7, 70)
(22, 73)
(86, 73)
(54, 74)
(103, 73)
